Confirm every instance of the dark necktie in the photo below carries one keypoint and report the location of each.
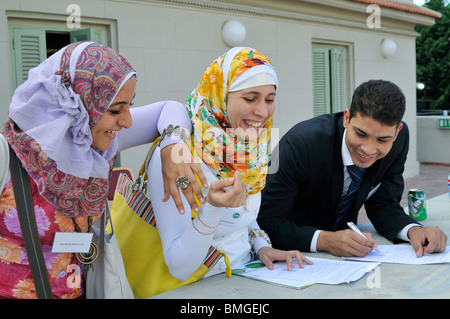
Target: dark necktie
(357, 175)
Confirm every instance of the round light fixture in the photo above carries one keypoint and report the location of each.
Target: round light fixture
(233, 33)
(388, 48)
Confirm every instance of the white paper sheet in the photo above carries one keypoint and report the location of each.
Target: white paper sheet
(403, 254)
(323, 271)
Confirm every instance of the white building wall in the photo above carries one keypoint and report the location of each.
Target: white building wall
(170, 45)
(428, 130)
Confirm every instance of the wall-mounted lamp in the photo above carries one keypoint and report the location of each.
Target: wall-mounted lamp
(233, 33)
(388, 48)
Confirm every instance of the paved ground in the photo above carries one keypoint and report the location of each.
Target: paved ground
(432, 179)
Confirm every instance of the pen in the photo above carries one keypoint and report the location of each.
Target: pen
(356, 229)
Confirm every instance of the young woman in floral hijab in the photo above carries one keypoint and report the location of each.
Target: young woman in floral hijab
(231, 111)
(65, 127)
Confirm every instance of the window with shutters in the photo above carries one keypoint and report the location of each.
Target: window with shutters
(330, 79)
(31, 45)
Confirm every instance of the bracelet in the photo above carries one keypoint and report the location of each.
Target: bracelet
(255, 232)
(176, 131)
(201, 221)
(202, 232)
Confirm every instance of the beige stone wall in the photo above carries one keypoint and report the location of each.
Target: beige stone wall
(171, 43)
(432, 141)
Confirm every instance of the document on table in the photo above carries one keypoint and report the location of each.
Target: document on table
(403, 254)
(323, 271)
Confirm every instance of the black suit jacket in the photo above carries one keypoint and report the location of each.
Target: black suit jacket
(303, 195)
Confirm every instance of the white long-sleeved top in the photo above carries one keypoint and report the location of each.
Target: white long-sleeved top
(148, 123)
(150, 120)
(184, 246)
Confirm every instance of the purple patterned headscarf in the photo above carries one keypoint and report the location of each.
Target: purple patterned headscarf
(50, 119)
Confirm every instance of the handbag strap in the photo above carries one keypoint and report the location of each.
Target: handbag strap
(27, 220)
(104, 221)
(141, 210)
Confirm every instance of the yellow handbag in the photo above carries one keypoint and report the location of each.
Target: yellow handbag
(136, 231)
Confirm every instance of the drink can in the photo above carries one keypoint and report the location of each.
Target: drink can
(448, 184)
(417, 204)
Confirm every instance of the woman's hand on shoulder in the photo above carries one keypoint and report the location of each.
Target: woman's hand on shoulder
(176, 161)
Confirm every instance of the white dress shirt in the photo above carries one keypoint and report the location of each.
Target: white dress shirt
(347, 161)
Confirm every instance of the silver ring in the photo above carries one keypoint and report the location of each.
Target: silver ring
(182, 182)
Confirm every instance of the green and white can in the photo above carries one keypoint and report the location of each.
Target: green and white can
(417, 204)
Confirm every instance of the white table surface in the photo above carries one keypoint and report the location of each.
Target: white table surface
(386, 281)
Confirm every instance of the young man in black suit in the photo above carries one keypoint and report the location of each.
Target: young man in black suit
(308, 201)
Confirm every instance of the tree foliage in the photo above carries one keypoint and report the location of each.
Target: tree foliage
(433, 57)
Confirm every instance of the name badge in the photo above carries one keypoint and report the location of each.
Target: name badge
(71, 242)
(230, 217)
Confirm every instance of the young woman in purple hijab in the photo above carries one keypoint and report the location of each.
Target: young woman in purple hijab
(66, 124)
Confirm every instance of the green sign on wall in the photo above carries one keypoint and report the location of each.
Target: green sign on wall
(444, 123)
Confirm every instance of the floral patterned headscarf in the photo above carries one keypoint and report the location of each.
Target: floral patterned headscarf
(213, 138)
(50, 119)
